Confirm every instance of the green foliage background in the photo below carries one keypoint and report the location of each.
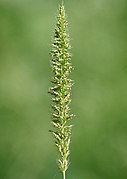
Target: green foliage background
(98, 30)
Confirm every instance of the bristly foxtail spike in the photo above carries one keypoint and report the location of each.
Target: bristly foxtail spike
(61, 89)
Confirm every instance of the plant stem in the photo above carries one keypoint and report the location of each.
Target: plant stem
(64, 176)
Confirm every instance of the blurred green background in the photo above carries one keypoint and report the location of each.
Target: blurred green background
(98, 30)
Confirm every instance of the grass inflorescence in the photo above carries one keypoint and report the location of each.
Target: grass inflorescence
(61, 90)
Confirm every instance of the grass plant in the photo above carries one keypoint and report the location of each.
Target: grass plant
(61, 90)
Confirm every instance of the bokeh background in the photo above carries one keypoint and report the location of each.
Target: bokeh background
(98, 30)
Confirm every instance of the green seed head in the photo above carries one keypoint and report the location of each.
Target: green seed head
(61, 89)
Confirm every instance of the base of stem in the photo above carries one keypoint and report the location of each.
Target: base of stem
(64, 176)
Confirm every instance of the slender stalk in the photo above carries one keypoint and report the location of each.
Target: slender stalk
(64, 176)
